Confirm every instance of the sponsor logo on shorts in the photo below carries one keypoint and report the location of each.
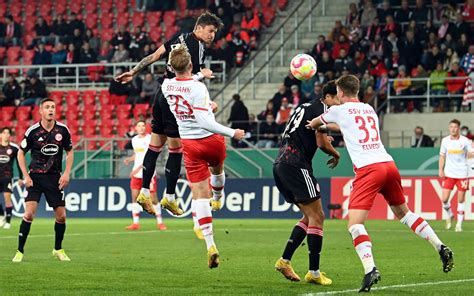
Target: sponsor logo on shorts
(4, 158)
(50, 149)
(58, 137)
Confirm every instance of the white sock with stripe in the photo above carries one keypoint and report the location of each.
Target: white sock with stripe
(363, 246)
(136, 208)
(447, 209)
(193, 213)
(422, 229)
(204, 217)
(217, 185)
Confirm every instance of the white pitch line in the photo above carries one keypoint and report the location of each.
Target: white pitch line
(189, 230)
(391, 287)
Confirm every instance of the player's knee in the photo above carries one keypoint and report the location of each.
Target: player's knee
(28, 216)
(61, 217)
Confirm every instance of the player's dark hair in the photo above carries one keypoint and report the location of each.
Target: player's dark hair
(329, 89)
(349, 84)
(6, 128)
(456, 121)
(45, 100)
(209, 19)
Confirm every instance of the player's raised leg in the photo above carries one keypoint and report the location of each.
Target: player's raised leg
(149, 164)
(217, 183)
(30, 211)
(172, 172)
(60, 229)
(297, 236)
(196, 228)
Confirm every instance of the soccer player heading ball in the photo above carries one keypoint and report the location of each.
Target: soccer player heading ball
(164, 127)
(203, 142)
(376, 173)
(47, 140)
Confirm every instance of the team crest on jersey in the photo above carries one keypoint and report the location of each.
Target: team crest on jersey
(58, 137)
(9, 151)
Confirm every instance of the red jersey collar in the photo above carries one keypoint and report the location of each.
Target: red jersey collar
(183, 79)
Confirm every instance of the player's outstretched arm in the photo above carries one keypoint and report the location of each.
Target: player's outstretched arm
(314, 124)
(22, 163)
(209, 124)
(145, 62)
(64, 180)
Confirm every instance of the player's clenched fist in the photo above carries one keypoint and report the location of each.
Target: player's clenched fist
(239, 134)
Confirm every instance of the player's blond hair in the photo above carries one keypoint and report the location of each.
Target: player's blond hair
(180, 59)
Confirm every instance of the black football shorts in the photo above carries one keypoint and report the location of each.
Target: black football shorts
(6, 185)
(163, 122)
(297, 185)
(47, 184)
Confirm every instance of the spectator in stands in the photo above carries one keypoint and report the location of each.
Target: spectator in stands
(87, 55)
(59, 27)
(226, 19)
(395, 61)
(12, 92)
(450, 58)
(461, 27)
(121, 37)
(33, 92)
(297, 97)
(455, 87)
(445, 27)
(239, 117)
(404, 14)
(93, 41)
(369, 94)
(59, 55)
(279, 96)
(402, 87)
(73, 54)
(468, 11)
(77, 38)
(239, 47)
(341, 43)
(381, 85)
(355, 29)
(289, 81)
(433, 57)
(42, 30)
(252, 130)
(462, 45)
(11, 32)
(373, 30)
(376, 67)
(385, 10)
(467, 133)
(121, 54)
(343, 62)
(410, 49)
(106, 52)
(320, 46)
(268, 110)
(419, 139)
(438, 88)
(268, 133)
(359, 64)
(42, 56)
(186, 22)
(138, 41)
(326, 62)
(421, 12)
(467, 61)
(74, 23)
(251, 24)
(337, 31)
(352, 14)
(135, 92)
(448, 42)
(369, 13)
(366, 81)
(317, 92)
(389, 44)
(418, 87)
(146, 51)
(237, 8)
(284, 112)
(390, 26)
(376, 47)
(149, 87)
(435, 12)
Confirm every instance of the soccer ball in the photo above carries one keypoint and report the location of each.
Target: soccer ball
(303, 66)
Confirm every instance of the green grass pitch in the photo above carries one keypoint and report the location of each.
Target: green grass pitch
(108, 260)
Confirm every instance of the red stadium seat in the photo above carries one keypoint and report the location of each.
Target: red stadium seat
(104, 97)
(57, 96)
(170, 32)
(72, 123)
(91, 21)
(91, 8)
(76, 7)
(22, 114)
(14, 52)
(156, 34)
(118, 100)
(60, 8)
(138, 19)
(282, 4)
(95, 73)
(249, 3)
(20, 131)
(72, 114)
(73, 129)
(106, 112)
(28, 38)
(169, 18)
(268, 16)
(107, 34)
(121, 6)
(59, 112)
(88, 131)
(123, 111)
(7, 113)
(153, 19)
(122, 130)
(106, 20)
(35, 114)
(88, 115)
(105, 6)
(182, 5)
(107, 122)
(73, 95)
(141, 109)
(76, 139)
(88, 98)
(122, 19)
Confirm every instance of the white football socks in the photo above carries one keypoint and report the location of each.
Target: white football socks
(363, 246)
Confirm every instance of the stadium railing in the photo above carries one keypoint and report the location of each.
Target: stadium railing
(427, 97)
(79, 75)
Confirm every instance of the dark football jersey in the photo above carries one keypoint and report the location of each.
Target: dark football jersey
(8, 156)
(46, 147)
(195, 48)
(298, 144)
